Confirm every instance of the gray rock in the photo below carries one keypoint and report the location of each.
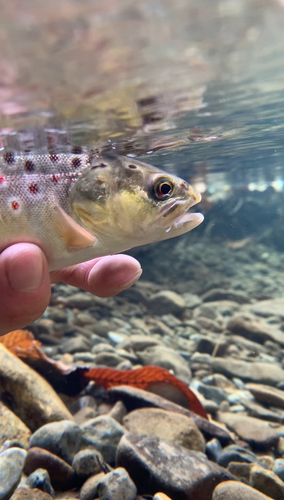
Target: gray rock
(266, 308)
(11, 467)
(168, 358)
(214, 393)
(40, 479)
(176, 428)
(267, 394)
(233, 490)
(166, 302)
(265, 373)
(102, 433)
(256, 432)
(76, 344)
(255, 329)
(139, 342)
(234, 453)
(61, 438)
(117, 485)
(86, 462)
(157, 465)
(216, 294)
(213, 449)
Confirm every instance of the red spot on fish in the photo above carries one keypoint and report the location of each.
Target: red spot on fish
(2, 179)
(15, 205)
(33, 187)
(143, 378)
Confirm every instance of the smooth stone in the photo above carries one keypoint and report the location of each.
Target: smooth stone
(33, 399)
(214, 393)
(255, 329)
(139, 342)
(256, 432)
(217, 380)
(27, 494)
(267, 482)
(89, 490)
(267, 394)
(102, 433)
(155, 465)
(11, 467)
(278, 468)
(60, 473)
(117, 485)
(265, 373)
(86, 413)
(40, 479)
(233, 490)
(76, 344)
(109, 359)
(176, 428)
(216, 294)
(118, 412)
(80, 300)
(234, 453)
(12, 428)
(60, 438)
(161, 496)
(166, 302)
(168, 358)
(87, 462)
(266, 308)
(134, 398)
(240, 470)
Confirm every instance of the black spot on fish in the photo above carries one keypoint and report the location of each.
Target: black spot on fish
(132, 166)
(53, 157)
(76, 162)
(29, 166)
(77, 150)
(9, 158)
(33, 187)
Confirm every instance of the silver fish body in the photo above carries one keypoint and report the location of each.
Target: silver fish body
(80, 206)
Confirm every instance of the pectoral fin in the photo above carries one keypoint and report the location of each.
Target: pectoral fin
(73, 235)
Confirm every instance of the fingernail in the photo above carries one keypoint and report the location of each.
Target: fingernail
(131, 282)
(25, 274)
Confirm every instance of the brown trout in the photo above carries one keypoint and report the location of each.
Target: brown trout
(80, 206)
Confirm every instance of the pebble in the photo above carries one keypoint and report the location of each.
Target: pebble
(103, 433)
(27, 494)
(267, 394)
(255, 329)
(86, 462)
(60, 473)
(168, 358)
(176, 428)
(11, 466)
(267, 482)
(155, 465)
(256, 432)
(40, 479)
(278, 468)
(234, 453)
(263, 373)
(233, 490)
(89, 490)
(117, 485)
(166, 302)
(60, 438)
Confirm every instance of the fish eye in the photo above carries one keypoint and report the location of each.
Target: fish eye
(163, 189)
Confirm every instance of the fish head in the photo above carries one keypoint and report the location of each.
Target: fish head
(127, 203)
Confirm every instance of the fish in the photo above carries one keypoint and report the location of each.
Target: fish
(84, 204)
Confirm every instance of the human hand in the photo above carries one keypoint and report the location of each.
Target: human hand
(25, 281)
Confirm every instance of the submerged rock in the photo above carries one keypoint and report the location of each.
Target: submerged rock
(11, 467)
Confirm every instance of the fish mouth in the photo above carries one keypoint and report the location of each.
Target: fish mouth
(176, 211)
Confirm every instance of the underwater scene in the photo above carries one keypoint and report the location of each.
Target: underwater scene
(142, 250)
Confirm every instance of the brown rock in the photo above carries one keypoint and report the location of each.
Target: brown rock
(168, 358)
(30, 396)
(27, 494)
(12, 428)
(60, 473)
(232, 490)
(256, 432)
(90, 487)
(267, 482)
(267, 394)
(176, 428)
(255, 329)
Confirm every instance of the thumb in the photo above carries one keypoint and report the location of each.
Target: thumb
(24, 286)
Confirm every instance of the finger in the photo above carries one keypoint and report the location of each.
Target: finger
(105, 277)
(24, 286)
